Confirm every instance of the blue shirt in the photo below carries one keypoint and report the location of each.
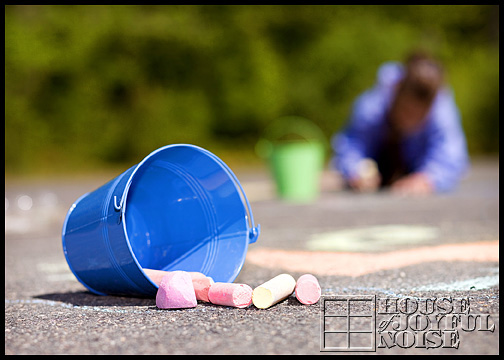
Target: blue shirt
(437, 149)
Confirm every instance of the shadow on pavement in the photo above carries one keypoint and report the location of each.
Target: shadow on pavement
(86, 298)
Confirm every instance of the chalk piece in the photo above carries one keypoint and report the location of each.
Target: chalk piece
(273, 291)
(307, 289)
(202, 287)
(157, 275)
(230, 294)
(201, 282)
(176, 291)
(367, 168)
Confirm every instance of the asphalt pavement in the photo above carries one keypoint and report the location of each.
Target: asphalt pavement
(398, 276)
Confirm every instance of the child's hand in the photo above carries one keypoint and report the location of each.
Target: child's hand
(416, 184)
(368, 178)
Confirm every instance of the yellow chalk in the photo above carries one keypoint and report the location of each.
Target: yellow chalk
(273, 291)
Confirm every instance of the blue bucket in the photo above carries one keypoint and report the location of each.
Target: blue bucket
(180, 208)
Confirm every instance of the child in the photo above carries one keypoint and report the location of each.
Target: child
(404, 133)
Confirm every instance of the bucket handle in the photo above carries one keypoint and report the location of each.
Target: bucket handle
(254, 230)
(117, 207)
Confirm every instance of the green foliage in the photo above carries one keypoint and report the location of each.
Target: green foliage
(93, 86)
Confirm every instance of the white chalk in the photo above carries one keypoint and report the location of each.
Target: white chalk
(367, 168)
(273, 291)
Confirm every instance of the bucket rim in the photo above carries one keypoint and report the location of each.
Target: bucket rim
(252, 230)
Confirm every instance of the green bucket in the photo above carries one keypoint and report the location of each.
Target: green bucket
(295, 150)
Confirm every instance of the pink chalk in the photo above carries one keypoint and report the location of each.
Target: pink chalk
(176, 291)
(230, 294)
(157, 275)
(202, 287)
(307, 289)
(201, 282)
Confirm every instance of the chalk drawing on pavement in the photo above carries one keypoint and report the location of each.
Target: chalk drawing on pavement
(374, 238)
(479, 283)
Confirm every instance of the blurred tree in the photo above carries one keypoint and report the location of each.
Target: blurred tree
(93, 86)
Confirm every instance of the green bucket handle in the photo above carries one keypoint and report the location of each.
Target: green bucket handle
(279, 131)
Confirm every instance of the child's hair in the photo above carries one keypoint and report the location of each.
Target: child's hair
(423, 78)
